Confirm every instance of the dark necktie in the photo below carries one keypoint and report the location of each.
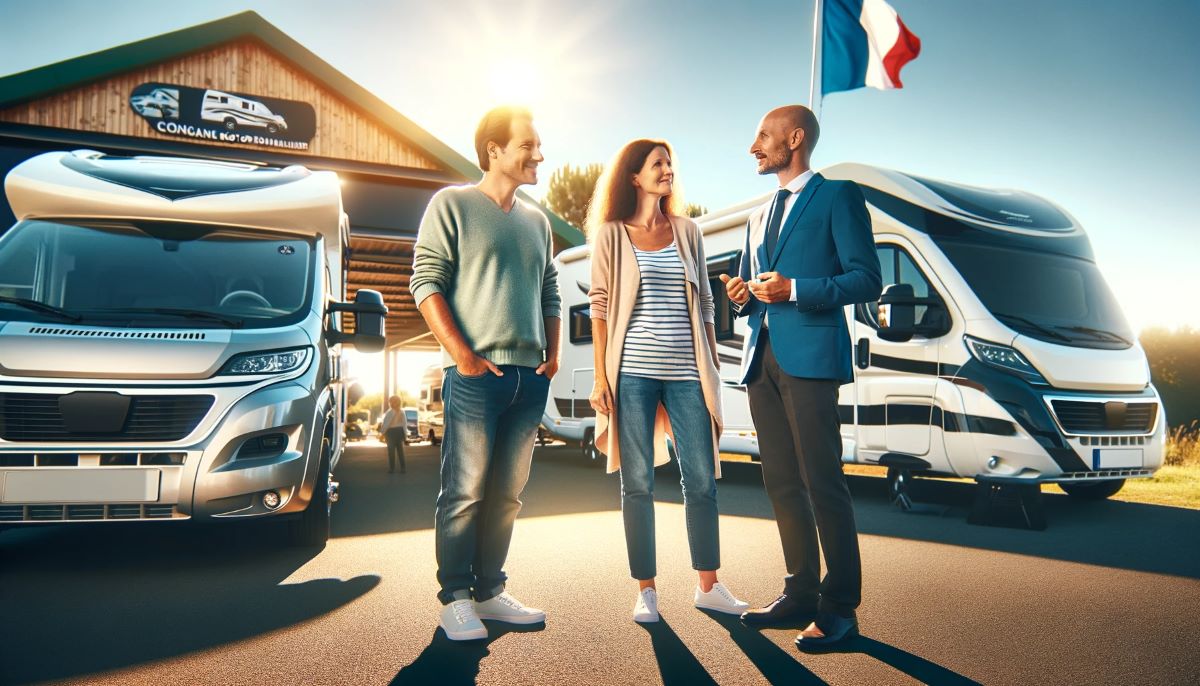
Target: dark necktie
(775, 221)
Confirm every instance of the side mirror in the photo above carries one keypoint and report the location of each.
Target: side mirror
(897, 313)
(369, 312)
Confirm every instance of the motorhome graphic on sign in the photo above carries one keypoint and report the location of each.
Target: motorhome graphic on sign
(216, 115)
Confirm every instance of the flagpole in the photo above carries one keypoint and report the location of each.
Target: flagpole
(814, 88)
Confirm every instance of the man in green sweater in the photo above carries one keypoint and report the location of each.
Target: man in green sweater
(484, 280)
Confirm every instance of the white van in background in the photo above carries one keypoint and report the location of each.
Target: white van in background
(996, 351)
(170, 342)
(430, 418)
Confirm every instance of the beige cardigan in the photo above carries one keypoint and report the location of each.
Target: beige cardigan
(615, 281)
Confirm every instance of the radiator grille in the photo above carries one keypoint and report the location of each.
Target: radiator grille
(1100, 417)
(94, 333)
(83, 513)
(37, 417)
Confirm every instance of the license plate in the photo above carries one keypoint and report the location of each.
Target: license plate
(1116, 458)
(81, 486)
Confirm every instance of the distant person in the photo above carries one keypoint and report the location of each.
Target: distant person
(655, 349)
(809, 252)
(484, 279)
(393, 426)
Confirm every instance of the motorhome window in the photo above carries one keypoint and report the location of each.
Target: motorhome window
(119, 273)
(1044, 295)
(224, 100)
(435, 395)
(1014, 208)
(898, 267)
(580, 323)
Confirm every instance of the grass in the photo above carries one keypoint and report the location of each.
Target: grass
(1176, 484)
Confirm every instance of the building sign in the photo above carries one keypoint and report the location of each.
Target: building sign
(225, 117)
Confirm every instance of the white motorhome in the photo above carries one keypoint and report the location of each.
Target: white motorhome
(169, 342)
(997, 350)
(231, 111)
(431, 421)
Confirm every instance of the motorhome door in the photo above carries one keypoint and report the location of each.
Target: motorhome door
(895, 387)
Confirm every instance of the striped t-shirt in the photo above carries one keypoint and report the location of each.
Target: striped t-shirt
(658, 342)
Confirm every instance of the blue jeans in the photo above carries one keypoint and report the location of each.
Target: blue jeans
(490, 424)
(638, 398)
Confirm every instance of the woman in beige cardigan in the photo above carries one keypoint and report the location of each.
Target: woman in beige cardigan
(656, 362)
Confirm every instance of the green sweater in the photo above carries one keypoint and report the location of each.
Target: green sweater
(495, 270)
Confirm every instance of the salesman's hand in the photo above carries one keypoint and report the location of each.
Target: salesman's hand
(601, 399)
(736, 289)
(770, 287)
(477, 366)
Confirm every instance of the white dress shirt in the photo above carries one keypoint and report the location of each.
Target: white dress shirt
(795, 186)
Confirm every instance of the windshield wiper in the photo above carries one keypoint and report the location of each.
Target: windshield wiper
(1033, 325)
(42, 307)
(1095, 332)
(174, 312)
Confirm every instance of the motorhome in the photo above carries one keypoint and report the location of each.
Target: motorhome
(232, 111)
(997, 350)
(159, 102)
(170, 342)
(430, 418)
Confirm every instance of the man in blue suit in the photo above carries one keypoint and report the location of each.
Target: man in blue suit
(809, 252)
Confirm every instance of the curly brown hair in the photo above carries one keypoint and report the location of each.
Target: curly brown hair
(615, 197)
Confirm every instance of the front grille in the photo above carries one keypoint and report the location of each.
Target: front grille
(37, 417)
(83, 513)
(1130, 473)
(97, 333)
(1101, 417)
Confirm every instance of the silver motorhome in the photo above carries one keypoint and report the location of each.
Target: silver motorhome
(170, 342)
(996, 351)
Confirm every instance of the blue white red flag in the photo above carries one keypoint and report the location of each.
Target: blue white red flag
(863, 43)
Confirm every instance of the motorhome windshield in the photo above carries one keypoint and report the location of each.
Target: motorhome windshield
(153, 274)
(1048, 296)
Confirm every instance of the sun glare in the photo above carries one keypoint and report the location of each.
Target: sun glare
(517, 81)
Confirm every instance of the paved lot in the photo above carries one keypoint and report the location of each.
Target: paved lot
(1108, 594)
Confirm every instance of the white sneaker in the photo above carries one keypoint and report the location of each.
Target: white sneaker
(505, 608)
(719, 599)
(460, 622)
(646, 608)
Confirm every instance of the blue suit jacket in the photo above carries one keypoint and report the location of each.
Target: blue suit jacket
(826, 246)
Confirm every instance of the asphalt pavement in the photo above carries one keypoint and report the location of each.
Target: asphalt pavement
(1109, 593)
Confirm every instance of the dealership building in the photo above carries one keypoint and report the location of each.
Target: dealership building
(239, 89)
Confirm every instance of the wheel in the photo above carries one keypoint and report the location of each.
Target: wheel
(588, 445)
(311, 529)
(898, 481)
(1092, 490)
(230, 124)
(272, 129)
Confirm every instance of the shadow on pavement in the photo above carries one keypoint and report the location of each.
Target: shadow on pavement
(75, 611)
(1134, 536)
(776, 665)
(450, 663)
(676, 664)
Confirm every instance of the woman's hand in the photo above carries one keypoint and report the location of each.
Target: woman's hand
(601, 398)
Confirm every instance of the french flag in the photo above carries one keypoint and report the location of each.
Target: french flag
(864, 43)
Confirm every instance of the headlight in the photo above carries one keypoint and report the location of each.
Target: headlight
(1004, 357)
(275, 362)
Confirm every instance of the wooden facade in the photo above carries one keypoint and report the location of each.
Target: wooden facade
(243, 66)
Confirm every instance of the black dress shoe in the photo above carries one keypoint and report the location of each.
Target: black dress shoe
(836, 629)
(785, 609)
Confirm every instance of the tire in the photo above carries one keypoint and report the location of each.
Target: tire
(311, 529)
(272, 129)
(230, 124)
(1087, 490)
(588, 445)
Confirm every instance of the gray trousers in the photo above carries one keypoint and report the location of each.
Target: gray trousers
(800, 444)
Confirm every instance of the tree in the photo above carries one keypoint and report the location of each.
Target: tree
(694, 210)
(570, 192)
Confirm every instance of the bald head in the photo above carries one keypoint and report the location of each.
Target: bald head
(792, 117)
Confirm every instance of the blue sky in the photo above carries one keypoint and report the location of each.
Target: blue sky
(1091, 103)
